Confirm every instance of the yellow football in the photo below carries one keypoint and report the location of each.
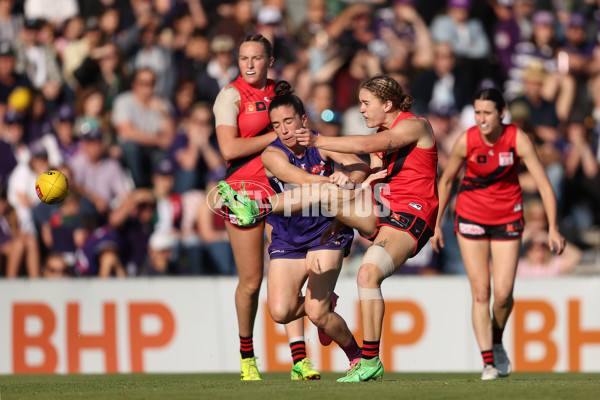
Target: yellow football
(52, 187)
(19, 99)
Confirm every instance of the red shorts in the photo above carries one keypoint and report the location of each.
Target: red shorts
(474, 230)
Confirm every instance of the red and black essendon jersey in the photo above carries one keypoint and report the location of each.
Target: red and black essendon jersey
(490, 192)
(253, 120)
(412, 179)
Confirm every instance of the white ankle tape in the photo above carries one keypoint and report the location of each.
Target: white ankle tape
(379, 257)
(369, 293)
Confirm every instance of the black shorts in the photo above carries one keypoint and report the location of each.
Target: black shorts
(474, 230)
(403, 221)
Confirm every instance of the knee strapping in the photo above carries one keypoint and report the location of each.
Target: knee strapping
(377, 256)
(369, 293)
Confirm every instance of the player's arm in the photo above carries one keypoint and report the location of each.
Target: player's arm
(226, 110)
(526, 150)
(277, 164)
(407, 132)
(455, 163)
(356, 170)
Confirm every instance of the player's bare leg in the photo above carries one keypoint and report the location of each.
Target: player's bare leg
(505, 256)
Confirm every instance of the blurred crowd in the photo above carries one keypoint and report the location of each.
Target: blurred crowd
(118, 94)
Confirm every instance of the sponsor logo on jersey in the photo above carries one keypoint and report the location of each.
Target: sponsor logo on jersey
(470, 229)
(317, 169)
(277, 251)
(415, 205)
(400, 220)
(257, 106)
(482, 159)
(518, 207)
(505, 159)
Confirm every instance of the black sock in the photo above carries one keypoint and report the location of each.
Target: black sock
(298, 351)
(497, 335)
(246, 347)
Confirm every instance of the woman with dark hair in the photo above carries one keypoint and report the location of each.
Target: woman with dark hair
(398, 216)
(297, 252)
(243, 132)
(489, 218)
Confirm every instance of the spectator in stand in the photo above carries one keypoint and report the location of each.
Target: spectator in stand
(101, 255)
(12, 243)
(22, 197)
(103, 69)
(62, 127)
(99, 178)
(38, 61)
(220, 70)
(60, 11)
(176, 215)
(193, 58)
(539, 261)
(90, 110)
(404, 41)
(211, 228)
(144, 126)
(76, 51)
(55, 267)
(12, 148)
(467, 37)
(443, 87)
(9, 78)
(160, 260)
(64, 232)
(10, 24)
(133, 221)
(194, 150)
(183, 99)
(321, 111)
(150, 54)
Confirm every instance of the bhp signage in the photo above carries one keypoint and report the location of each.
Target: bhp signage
(175, 325)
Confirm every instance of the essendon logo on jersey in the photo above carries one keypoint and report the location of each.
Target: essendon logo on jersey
(482, 159)
(257, 106)
(505, 159)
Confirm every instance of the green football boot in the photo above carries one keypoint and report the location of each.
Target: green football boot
(365, 370)
(245, 209)
(303, 371)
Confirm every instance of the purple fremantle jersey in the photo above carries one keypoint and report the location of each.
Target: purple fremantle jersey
(302, 231)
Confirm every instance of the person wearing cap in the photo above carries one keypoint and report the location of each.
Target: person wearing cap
(219, 71)
(62, 127)
(9, 78)
(144, 125)
(176, 214)
(99, 178)
(160, 260)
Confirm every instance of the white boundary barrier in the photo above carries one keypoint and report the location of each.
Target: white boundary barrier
(188, 325)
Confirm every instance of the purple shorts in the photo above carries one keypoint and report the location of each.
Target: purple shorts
(280, 248)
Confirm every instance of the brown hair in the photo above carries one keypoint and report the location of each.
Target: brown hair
(387, 89)
(259, 39)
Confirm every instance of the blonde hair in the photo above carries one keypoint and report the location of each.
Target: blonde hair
(387, 89)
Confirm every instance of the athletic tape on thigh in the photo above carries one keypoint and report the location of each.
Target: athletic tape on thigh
(378, 256)
(369, 293)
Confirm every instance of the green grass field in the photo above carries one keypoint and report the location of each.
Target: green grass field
(278, 386)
